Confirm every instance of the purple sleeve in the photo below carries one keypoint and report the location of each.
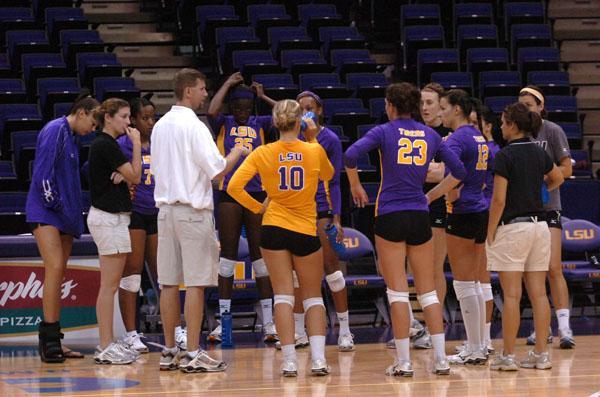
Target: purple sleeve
(216, 123)
(50, 147)
(368, 142)
(451, 161)
(335, 157)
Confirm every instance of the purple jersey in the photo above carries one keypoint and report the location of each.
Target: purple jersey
(329, 196)
(230, 134)
(143, 196)
(489, 178)
(472, 149)
(406, 148)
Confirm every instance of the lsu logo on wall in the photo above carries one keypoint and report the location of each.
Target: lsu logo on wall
(580, 234)
(21, 289)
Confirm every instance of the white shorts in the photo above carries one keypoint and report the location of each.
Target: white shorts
(110, 231)
(188, 250)
(520, 247)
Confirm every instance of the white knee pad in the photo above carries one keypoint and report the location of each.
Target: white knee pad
(397, 296)
(488, 295)
(336, 281)
(131, 283)
(464, 289)
(284, 300)
(260, 268)
(295, 279)
(428, 299)
(226, 267)
(310, 302)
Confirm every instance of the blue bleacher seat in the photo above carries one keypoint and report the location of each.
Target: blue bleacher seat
(5, 71)
(39, 6)
(472, 14)
(8, 177)
(419, 14)
(13, 201)
(326, 85)
(277, 86)
(561, 108)
(97, 64)
(15, 18)
(62, 109)
(334, 37)
(367, 85)
(498, 103)
(551, 82)
(12, 213)
(582, 167)
(288, 37)
(230, 39)
(36, 66)
(580, 199)
(435, 60)
(23, 152)
(377, 110)
(364, 128)
(19, 42)
(314, 16)
(78, 40)
(262, 16)
(486, 59)
(454, 80)
(210, 17)
(61, 18)
(572, 131)
(347, 112)
(476, 36)
(499, 83)
(352, 61)
(56, 90)
(528, 35)
(420, 37)
(522, 12)
(339, 131)
(299, 62)
(17, 117)
(118, 87)
(12, 91)
(537, 58)
(251, 62)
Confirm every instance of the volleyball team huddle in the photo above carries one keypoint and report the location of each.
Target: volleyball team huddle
(456, 181)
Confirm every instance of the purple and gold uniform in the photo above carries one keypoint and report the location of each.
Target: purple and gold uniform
(406, 148)
(329, 196)
(143, 197)
(489, 179)
(470, 146)
(231, 134)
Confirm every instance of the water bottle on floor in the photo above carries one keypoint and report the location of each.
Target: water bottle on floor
(227, 329)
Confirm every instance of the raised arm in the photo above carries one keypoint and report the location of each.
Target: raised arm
(132, 171)
(217, 101)
(260, 93)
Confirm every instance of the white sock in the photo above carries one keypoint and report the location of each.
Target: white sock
(224, 306)
(344, 322)
(267, 310)
(439, 346)
(402, 349)
(178, 329)
(193, 354)
(410, 313)
(317, 347)
(563, 319)
(299, 323)
(289, 352)
(132, 333)
(468, 298)
(481, 301)
(173, 350)
(488, 334)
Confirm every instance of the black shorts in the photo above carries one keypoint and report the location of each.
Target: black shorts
(35, 225)
(328, 214)
(224, 197)
(278, 239)
(145, 222)
(472, 226)
(437, 215)
(553, 219)
(409, 226)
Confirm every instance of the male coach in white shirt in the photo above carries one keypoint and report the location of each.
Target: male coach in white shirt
(184, 161)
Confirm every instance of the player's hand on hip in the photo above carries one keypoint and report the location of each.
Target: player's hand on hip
(359, 196)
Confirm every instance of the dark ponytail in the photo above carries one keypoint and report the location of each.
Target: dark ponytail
(84, 101)
(526, 121)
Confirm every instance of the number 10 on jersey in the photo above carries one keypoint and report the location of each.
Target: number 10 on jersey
(291, 178)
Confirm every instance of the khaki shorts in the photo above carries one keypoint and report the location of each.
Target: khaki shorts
(110, 231)
(520, 247)
(188, 250)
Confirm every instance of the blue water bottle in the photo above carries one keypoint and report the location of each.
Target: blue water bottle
(332, 232)
(307, 115)
(227, 329)
(545, 194)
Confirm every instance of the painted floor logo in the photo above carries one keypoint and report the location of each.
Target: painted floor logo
(69, 384)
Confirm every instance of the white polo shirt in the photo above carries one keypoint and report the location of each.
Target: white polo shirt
(185, 159)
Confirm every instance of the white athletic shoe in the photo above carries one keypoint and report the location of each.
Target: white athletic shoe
(135, 341)
(114, 354)
(289, 368)
(320, 368)
(441, 367)
(346, 343)
(169, 360)
(201, 363)
(403, 368)
(216, 335)
(467, 357)
(181, 338)
(270, 333)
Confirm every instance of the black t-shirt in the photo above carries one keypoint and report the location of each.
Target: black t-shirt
(104, 159)
(523, 163)
(438, 205)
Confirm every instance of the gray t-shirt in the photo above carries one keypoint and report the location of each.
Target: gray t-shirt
(553, 140)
